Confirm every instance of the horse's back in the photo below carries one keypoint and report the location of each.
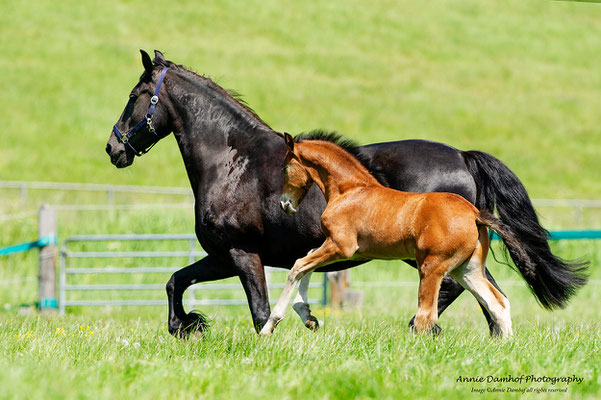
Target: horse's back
(421, 166)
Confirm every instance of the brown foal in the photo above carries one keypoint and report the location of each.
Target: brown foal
(363, 219)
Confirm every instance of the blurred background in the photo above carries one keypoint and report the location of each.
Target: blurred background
(518, 79)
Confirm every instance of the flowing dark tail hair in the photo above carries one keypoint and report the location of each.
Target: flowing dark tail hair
(552, 280)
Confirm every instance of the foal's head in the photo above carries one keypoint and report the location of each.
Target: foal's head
(297, 179)
(144, 120)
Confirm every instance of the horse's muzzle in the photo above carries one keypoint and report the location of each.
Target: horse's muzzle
(118, 156)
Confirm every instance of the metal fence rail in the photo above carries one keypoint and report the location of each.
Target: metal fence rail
(24, 186)
(192, 254)
(94, 187)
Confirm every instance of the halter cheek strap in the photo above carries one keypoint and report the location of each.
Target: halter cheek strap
(146, 121)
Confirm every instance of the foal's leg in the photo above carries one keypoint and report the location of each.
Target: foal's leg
(471, 276)
(450, 290)
(431, 273)
(327, 253)
(301, 304)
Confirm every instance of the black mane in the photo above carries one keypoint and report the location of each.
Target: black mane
(348, 145)
(231, 95)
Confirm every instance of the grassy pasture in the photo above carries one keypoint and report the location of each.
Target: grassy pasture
(126, 353)
(518, 79)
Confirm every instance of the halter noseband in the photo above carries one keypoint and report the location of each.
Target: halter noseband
(146, 121)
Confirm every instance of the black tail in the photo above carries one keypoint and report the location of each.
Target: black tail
(552, 280)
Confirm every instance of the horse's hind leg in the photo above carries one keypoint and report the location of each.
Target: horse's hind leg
(301, 304)
(471, 276)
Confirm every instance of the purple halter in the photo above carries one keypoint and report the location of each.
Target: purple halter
(146, 121)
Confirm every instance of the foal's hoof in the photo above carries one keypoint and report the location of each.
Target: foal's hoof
(435, 330)
(265, 332)
(312, 323)
(194, 323)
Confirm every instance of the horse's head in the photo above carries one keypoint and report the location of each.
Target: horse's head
(297, 179)
(145, 119)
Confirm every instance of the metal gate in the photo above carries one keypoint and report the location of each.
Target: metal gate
(67, 257)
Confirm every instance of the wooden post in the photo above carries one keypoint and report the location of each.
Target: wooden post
(47, 228)
(338, 287)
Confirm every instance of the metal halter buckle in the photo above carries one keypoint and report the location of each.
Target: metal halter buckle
(124, 137)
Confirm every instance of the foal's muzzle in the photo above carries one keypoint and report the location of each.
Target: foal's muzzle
(288, 206)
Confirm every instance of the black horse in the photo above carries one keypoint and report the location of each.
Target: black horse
(234, 160)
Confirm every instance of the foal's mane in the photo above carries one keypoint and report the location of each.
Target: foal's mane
(230, 95)
(346, 144)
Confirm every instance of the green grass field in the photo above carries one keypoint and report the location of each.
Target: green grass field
(127, 353)
(517, 79)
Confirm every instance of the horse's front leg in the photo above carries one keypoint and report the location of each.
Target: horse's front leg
(207, 269)
(249, 268)
(327, 253)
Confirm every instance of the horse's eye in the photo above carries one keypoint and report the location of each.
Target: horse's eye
(132, 96)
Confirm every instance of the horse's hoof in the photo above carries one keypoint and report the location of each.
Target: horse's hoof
(194, 323)
(312, 323)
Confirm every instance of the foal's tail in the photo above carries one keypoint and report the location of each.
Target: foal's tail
(550, 278)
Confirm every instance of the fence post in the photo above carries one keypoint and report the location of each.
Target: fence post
(47, 227)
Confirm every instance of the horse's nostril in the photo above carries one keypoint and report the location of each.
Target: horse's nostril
(108, 149)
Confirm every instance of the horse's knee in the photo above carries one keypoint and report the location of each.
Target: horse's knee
(170, 286)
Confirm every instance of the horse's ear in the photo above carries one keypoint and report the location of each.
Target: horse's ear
(289, 141)
(146, 61)
(159, 58)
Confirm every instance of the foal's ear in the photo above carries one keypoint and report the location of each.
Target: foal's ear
(159, 58)
(146, 61)
(289, 141)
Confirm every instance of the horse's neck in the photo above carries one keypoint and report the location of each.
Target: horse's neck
(335, 178)
(214, 132)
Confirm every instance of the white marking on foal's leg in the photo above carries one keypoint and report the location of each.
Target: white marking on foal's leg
(471, 276)
(301, 304)
(279, 311)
